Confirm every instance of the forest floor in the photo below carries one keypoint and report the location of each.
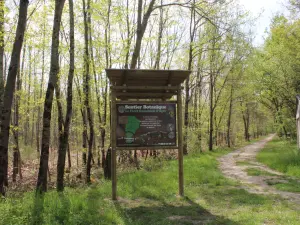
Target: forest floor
(256, 177)
(150, 195)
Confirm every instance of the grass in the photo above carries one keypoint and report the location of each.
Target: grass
(291, 186)
(149, 196)
(257, 172)
(281, 155)
(287, 184)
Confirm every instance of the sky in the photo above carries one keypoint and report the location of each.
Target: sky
(266, 9)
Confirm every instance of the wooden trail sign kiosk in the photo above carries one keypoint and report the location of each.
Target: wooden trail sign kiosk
(143, 116)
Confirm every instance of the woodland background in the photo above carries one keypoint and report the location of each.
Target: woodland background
(237, 91)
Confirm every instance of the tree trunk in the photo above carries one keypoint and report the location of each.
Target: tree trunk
(246, 120)
(129, 36)
(212, 82)
(229, 118)
(2, 2)
(141, 27)
(54, 69)
(64, 138)
(103, 131)
(86, 11)
(160, 31)
(41, 92)
(16, 153)
(84, 132)
(26, 125)
(9, 92)
(211, 111)
(187, 81)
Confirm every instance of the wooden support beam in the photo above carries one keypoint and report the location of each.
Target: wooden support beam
(180, 143)
(170, 88)
(142, 95)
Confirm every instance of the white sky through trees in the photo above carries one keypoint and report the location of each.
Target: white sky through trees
(266, 9)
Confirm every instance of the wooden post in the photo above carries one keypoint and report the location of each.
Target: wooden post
(113, 145)
(180, 142)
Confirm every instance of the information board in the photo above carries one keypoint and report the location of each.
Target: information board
(140, 125)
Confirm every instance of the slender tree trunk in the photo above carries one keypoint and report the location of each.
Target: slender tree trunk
(86, 11)
(187, 81)
(103, 131)
(211, 111)
(96, 78)
(61, 145)
(141, 27)
(229, 118)
(26, 127)
(69, 157)
(212, 101)
(160, 31)
(129, 36)
(41, 92)
(107, 161)
(84, 132)
(9, 92)
(1, 55)
(54, 69)
(246, 120)
(16, 152)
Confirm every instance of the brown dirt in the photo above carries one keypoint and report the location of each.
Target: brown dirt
(254, 184)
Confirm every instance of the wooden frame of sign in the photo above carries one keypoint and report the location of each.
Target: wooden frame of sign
(147, 117)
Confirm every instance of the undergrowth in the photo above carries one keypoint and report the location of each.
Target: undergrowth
(149, 196)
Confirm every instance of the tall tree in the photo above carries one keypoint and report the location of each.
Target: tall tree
(9, 92)
(193, 29)
(1, 54)
(140, 31)
(86, 90)
(54, 70)
(64, 137)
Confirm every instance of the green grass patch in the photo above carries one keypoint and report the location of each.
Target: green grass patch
(149, 196)
(257, 172)
(281, 155)
(286, 184)
(290, 186)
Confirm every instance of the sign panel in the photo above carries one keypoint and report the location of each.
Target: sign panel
(141, 125)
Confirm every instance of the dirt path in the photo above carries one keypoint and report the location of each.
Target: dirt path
(235, 165)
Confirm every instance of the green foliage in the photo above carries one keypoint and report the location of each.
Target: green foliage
(276, 70)
(282, 156)
(195, 144)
